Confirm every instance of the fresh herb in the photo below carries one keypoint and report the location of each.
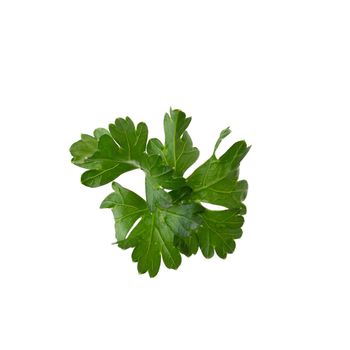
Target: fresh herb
(172, 219)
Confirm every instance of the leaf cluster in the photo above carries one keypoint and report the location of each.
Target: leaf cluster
(171, 220)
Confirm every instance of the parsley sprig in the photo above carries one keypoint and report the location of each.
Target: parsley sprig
(172, 219)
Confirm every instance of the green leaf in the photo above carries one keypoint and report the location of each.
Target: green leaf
(182, 194)
(182, 219)
(153, 236)
(151, 242)
(131, 141)
(216, 181)
(126, 206)
(161, 173)
(187, 245)
(177, 151)
(108, 154)
(227, 192)
(218, 232)
(86, 147)
(156, 197)
(223, 134)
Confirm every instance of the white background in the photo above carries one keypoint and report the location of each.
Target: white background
(277, 72)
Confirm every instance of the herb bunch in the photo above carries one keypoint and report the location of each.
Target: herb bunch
(172, 219)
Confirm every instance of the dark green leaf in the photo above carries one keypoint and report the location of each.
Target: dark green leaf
(218, 232)
(187, 245)
(162, 174)
(153, 236)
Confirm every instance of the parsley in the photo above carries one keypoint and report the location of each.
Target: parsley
(172, 220)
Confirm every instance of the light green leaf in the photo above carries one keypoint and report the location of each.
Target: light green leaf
(108, 154)
(224, 133)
